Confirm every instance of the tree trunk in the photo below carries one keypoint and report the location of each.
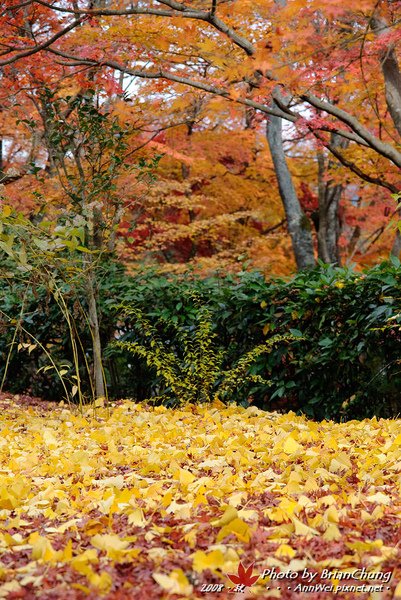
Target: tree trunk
(298, 223)
(332, 229)
(392, 81)
(396, 248)
(391, 73)
(329, 202)
(98, 375)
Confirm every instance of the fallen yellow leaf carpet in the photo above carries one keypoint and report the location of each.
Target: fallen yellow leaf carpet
(142, 502)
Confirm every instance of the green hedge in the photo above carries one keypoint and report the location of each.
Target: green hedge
(345, 364)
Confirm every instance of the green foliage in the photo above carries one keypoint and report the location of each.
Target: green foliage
(195, 374)
(344, 360)
(61, 257)
(43, 257)
(81, 135)
(348, 364)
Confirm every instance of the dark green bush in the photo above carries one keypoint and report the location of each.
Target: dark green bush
(346, 363)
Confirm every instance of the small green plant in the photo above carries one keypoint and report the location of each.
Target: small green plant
(47, 256)
(68, 246)
(192, 367)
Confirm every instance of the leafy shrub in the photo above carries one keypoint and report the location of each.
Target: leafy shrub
(32, 328)
(348, 364)
(343, 363)
(37, 355)
(191, 366)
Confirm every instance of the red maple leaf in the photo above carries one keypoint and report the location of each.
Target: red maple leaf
(244, 576)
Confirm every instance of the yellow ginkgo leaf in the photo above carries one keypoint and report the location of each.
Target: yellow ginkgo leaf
(114, 546)
(291, 446)
(379, 498)
(302, 529)
(229, 514)
(238, 527)
(332, 533)
(102, 582)
(175, 583)
(136, 518)
(186, 477)
(285, 551)
(331, 514)
(207, 560)
(43, 550)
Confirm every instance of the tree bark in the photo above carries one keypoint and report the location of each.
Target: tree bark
(95, 330)
(94, 241)
(391, 73)
(392, 81)
(298, 224)
(396, 248)
(329, 203)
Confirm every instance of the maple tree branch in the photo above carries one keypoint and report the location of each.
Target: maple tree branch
(238, 40)
(380, 147)
(214, 7)
(10, 178)
(288, 115)
(345, 134)
(15, 7)
(178, 10)
(377, 235)
(216, 91)
(274, 227)
(43, 46)
(133, 10)
(354, 168)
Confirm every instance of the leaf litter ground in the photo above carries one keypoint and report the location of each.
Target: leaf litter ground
(144, 502)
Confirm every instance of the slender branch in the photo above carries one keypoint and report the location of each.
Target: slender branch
(161, 74)
(211, 89)
(274, 227)
(345, 134)
(15, 7)
(133, 10)
(377, 233)
(43, 46)
(354, 168)
(380, 147)
(178, 10)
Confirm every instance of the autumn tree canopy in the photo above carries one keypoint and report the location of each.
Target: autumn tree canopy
(320, 78)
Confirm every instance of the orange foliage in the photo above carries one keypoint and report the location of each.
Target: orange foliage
(188, 81)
